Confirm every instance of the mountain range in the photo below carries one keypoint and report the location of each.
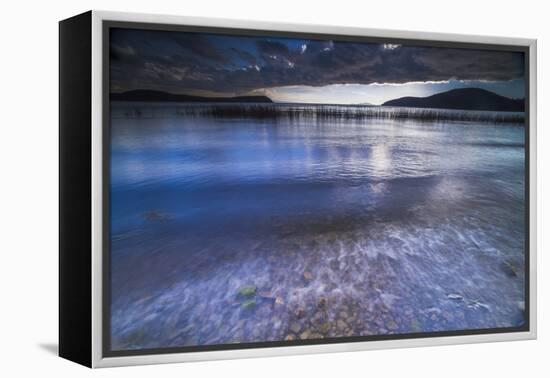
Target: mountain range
(464, 99)
(159, 96)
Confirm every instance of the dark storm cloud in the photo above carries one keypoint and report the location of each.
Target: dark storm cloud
(272, 48)
(245, 56)
(122, 53)
(200, 45)
(186, 62)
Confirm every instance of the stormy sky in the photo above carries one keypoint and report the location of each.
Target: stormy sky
(303, 70)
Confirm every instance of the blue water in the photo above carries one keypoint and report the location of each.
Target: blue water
(336, 227)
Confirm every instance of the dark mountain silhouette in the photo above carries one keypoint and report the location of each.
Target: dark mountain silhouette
(159, 96)
(464, 98)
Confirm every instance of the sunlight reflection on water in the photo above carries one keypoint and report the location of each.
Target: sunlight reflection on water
(343, 228)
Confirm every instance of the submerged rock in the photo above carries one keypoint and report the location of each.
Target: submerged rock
(392, 325)
(323, 328)
(341, 325)
(448, 316)
(416, 326)
(247, 291)
(266, 294)
(510, 268)
(305, 335)
(295, 327)
(299, 312)
(249, 305)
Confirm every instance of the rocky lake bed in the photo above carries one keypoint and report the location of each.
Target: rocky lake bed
(247, 230)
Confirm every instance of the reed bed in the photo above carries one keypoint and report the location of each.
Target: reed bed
(321, 112)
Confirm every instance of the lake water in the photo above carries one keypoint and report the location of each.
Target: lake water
(245, 229)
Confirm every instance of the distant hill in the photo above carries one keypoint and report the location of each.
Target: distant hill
(464, 98)
(159, 96)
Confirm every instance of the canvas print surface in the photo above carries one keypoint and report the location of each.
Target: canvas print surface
(276, 190)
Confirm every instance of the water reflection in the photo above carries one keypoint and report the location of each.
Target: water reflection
(381, 161)
(244, 229)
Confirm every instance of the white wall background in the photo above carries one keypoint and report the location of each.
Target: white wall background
(28, 211)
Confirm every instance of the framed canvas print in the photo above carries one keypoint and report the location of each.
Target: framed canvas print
(237, 189)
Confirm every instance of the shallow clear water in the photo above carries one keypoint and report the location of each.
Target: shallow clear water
(242, 230)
